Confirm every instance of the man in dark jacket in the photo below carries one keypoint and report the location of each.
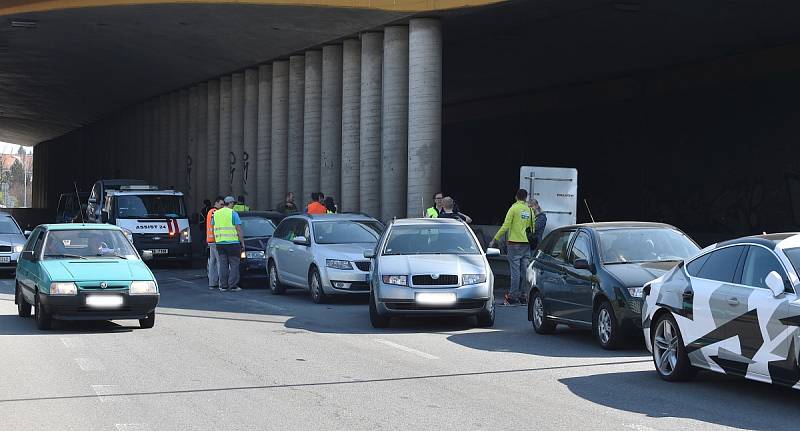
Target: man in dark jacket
(540, 223)
(287, 207)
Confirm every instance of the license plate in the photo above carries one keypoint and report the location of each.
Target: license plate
(5, 259)
(160, 251)
(104, 301)
(435, 298)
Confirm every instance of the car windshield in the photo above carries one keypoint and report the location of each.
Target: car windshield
(7, 226)
(430, 239)
(346, 231)
(794, 256)
(88, 244)
(257, 226)
(644, 245)
(150, 206)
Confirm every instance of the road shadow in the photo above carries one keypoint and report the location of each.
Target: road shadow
(566, 342)
(712, 398)
(11, 324)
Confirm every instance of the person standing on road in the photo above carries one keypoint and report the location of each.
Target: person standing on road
(316, 207)
(229, 238)
(287, 206)
(540, 223)
(240, 206)
(433, 212)
(206, 208)
(213, 255)
(448, 211)
(330, 205)
(519, 220)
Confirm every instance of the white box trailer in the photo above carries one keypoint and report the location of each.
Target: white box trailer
(556, 189)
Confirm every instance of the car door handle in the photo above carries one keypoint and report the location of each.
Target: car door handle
(733, 301)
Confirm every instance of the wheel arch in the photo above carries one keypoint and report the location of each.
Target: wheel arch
(657, 315)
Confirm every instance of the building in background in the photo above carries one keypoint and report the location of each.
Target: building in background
(16, 175)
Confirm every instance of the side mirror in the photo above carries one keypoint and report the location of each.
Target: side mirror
(147, 254)
(775, 283)
(27, 233)
(583, 264)
(369, 254)
(492, 252)
(301, 240)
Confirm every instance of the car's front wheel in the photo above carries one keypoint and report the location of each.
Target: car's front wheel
(606, 327)
(149, 321)
(315, 288)
(23, 308)
(669, 353)
(485, 318)
(541, 324)
(378, 320)
(275, 285)
(43, 319)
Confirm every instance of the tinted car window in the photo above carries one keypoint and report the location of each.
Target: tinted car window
(32, 240)
(430, 239)
(758, 264)
(694, 266)
(257, 226)
(721, 264)
(644, 245)
(346, 232)
(285, 229)
(581, 248)
(794, 257)
(557, 248)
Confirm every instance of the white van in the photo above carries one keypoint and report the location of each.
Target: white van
(153, 219)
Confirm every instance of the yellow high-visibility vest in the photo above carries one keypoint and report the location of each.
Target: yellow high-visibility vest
(224, 229)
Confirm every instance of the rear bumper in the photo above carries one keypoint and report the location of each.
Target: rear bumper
(75, 308)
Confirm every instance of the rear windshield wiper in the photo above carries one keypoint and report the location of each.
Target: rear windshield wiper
(67, 256)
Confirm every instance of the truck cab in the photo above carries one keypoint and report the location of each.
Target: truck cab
(94, 204)
(153, 219)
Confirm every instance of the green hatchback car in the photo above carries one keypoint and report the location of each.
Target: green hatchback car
(84, 272)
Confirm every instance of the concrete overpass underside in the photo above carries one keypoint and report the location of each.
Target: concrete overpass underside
(672, 112)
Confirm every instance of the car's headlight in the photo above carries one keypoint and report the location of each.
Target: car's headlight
(635, 292)
(143, 288)
(62, 288)
(128, 234)
(338, 264)
(18, 248)
(397, 280)
(468, 279)
(186, 236)
(254, 254)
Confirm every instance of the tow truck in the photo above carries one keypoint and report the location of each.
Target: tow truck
(153, 219)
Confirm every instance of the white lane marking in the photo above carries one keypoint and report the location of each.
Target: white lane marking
(89, 364)
(131, 427)
(72, 342)
(638, 427)
(102, 390)
(406, 349)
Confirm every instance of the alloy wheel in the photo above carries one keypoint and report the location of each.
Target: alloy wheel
(665, 348)
(273, 278)
(538, 311)
(315, 288)
(604, 325)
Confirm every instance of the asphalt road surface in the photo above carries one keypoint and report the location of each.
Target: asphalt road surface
(250, 360)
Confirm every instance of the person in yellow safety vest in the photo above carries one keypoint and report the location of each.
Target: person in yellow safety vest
(240, 206)
(519, 220)
(213, 255)
(433, 212)
(229, 238)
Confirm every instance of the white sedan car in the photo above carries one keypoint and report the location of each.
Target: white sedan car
(731, 309)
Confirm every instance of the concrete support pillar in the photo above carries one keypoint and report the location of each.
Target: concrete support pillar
(331, 149)
(139, 150)
(351, 110)
(155, 144)
(163, 140)
(200, 170)
(280, 129)
(394, 141)
(370, 123)
(312, 128)
(146, 159)
(250, 135)
(174, 146)
(262, 157)
(424, 113)
(294, 174)
(224, 159)
(237, 134)
(183, 143)
(191, 156)
(212, 139)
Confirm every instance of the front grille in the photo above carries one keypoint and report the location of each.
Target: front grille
(464, 304)
(427, 280)
(150, 238)
(359, 285)
(5, 249)
(107, 288)
(363, 265)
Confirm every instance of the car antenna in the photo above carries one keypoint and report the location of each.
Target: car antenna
(78, 195)
(587, 209)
